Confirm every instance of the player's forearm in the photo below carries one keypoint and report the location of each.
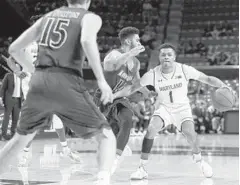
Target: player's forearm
(145, 91)
(214, 82)
(19, 57)
(92, 53)
(122, 59)
(127, 91)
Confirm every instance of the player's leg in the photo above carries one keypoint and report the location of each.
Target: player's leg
(125, 126)
(125, 117)
(156, 124)
(66, 151)
(106, 153)
(189, 132)
(26, 156)
(12, 148)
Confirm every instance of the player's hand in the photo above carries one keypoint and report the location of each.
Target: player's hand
(21, 74)
(107, 96)
(146, 117)
(135, 51)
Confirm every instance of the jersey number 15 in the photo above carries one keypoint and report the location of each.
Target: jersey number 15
(54, 33)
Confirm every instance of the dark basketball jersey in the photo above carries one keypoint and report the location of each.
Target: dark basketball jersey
(118, 79)
(59, 41)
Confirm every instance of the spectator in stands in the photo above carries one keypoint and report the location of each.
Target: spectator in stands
(208, 29)
(147, 11)
(234, 59)
(181, 47)
(201, 48)
(229, 28)
(190, 49)
(199, 112)
(216, 119)
(120, 24)
(153, 61)
(108, 29)
(134, 6)
(148, 35)
(155, 17)
(215, 32)
(220, 58)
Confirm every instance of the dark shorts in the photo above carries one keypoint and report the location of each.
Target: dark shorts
(58, 91)
(111, 111)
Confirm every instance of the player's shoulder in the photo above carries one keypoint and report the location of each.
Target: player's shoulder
(112, 54)
(186, 67)
(90, 16)
(155, 69)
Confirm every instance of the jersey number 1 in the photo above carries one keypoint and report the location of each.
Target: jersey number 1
(171, 96)
(54, 33)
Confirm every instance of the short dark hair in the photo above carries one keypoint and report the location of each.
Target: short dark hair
(126, 32)
(168, 45)
(76, 1)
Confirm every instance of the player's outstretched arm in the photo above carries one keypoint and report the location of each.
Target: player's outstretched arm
(147, 79)
(192, 73)
(114, 60)
(211, 80)
(27, 37)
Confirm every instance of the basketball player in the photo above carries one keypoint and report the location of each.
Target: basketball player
(170, 80)
(56, 122)
(56, 87)
(121, 68)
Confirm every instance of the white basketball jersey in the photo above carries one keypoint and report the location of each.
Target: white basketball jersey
(172, 90)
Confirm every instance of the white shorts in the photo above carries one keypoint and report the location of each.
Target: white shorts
(174, 116)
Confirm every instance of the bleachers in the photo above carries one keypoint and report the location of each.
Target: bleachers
(198, 15)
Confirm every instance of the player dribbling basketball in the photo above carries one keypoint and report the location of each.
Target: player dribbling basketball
(170, 80)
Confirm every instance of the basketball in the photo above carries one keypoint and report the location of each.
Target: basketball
(223, 99)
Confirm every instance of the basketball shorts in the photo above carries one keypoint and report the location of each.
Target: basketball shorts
(111, 111)
(175, 116)
(60, 91)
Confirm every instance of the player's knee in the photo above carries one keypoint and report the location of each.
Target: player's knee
(188, 130)
(57, 122)
(154, 127)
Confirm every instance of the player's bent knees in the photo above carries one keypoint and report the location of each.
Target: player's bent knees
(57, 122)
(156, 125)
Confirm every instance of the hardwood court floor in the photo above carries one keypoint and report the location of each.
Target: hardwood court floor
(170, 164)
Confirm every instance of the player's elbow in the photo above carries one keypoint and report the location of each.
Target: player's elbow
(11, 49)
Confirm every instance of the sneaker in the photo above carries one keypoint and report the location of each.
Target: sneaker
(25, 159)
(206, 168)
(70, 154)
(103, 179)
(140, 174)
